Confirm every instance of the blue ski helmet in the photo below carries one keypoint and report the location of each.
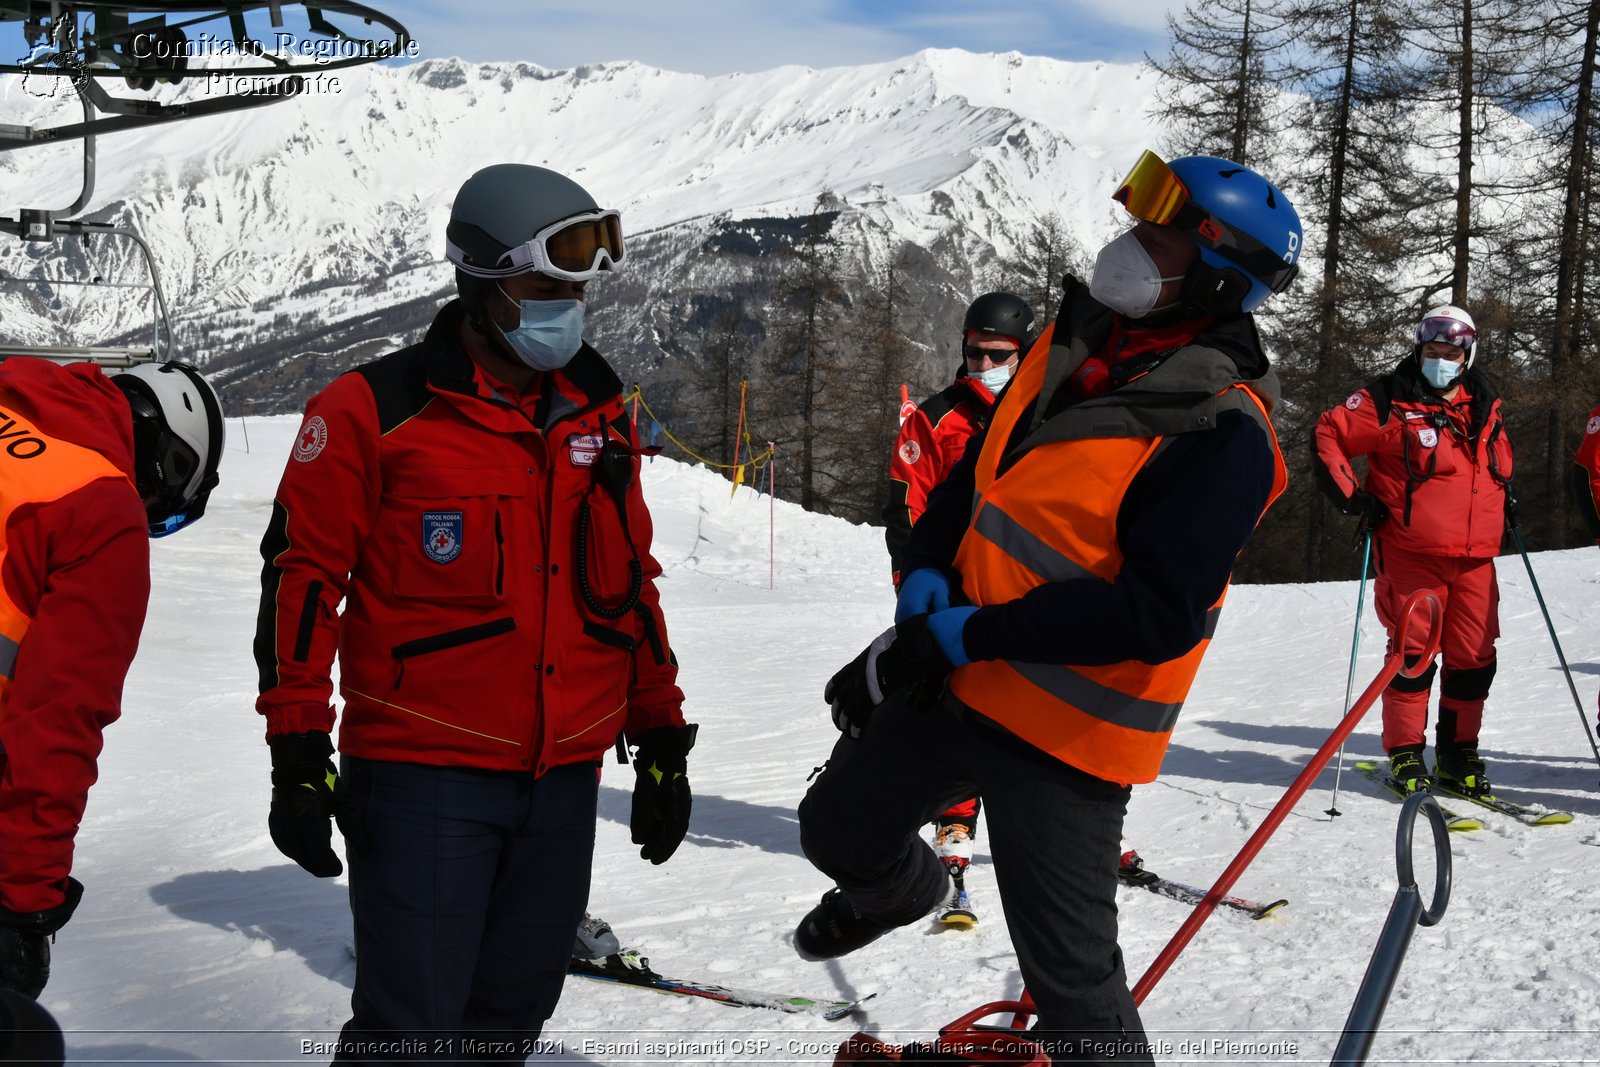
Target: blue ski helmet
(1249, 236)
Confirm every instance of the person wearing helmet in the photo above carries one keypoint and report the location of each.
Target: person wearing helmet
(91, 468)
(995, 333)
(1062, 585)
(1435, 500)
(473, 500)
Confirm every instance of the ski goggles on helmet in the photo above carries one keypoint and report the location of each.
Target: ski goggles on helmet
(1153, 193)
(575, 249)
(1450, 331)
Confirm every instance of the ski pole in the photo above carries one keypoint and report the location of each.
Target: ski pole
(1516, 534)
(1355, 646)
(1395, 664)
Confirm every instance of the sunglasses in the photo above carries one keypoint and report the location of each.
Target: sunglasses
(1153, 193)
(574, 249)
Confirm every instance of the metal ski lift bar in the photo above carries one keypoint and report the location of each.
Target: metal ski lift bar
(41, 227)
(146, 43)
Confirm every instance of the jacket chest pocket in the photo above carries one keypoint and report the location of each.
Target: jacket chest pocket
(1430, 450)
(446, 531)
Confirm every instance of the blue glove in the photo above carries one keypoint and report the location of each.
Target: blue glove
(946, 626)
(924, 591)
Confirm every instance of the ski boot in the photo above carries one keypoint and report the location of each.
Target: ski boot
(835, 928)
(952, 842)
(595, 939)
(1461, 770)
(1407, 772)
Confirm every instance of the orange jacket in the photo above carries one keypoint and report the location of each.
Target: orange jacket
(1047, 512)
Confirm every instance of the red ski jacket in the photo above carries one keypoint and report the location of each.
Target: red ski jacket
(1586, 475)
(500, 608)
(1440, 467)
(931, 442)
(76, 571)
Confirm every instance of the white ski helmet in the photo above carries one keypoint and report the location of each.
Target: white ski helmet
(1451, 325)
(177, 441)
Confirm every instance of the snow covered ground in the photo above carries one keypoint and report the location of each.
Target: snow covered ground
(198, 942)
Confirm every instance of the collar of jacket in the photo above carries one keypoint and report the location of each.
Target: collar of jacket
(1184, 394)
(1405, 383)
(585, 382)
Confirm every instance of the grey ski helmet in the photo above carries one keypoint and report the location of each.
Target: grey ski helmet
(512, 218)
(177, 441)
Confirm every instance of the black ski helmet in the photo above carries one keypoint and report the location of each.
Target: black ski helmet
(1000, 314)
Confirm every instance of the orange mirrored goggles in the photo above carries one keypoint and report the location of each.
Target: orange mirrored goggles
(1152, 192)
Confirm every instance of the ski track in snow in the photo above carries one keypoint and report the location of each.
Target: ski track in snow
(198, 942)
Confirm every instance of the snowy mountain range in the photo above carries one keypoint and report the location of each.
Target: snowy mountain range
(312, 229)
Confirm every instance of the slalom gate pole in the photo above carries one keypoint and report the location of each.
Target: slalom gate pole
(1394, 665)
(1516, 533)
(1355, 647)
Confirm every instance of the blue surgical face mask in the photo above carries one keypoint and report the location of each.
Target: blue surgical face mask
(1440, 373)
(995, 378)
(550, 333)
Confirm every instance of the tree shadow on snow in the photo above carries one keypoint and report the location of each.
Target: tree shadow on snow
(718, 822)
(283, 906)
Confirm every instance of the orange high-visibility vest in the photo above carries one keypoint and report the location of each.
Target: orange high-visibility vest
(1052, 516)
(35, 468)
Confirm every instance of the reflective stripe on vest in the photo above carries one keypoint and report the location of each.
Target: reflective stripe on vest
(1034, 525)
(47, 470)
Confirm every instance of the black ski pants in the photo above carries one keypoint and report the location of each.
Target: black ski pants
(1055, 833)
(467, 887)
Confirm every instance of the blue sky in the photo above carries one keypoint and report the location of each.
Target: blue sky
(720, 36)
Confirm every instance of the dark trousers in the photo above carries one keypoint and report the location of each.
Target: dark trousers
(467, 887)
(1055, 834)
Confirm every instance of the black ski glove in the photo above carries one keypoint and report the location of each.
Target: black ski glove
(25, 942)
(1513, 507)
(304, 794)
(905, 654)
(661, 797)
(1369, 508)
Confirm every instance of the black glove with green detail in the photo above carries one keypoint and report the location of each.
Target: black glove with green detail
(304, 787)
(661, 797)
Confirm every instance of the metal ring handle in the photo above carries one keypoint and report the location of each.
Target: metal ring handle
(1430, 645)
(1441, 850)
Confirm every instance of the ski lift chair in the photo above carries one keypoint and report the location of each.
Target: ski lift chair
(88, 43)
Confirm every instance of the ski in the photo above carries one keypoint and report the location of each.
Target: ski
(1527, 814)
(1453, 820)
(1133, 872)
(630, 968)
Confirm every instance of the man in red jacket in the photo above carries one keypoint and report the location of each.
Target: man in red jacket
(1435, 498)
(474, 501)
(996, 330)
(90, 469)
